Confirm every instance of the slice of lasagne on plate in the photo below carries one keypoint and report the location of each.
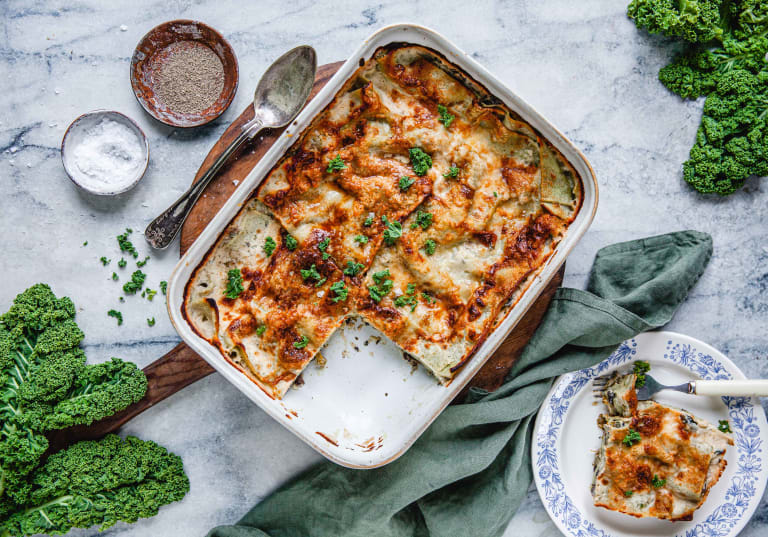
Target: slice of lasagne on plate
(654, 460)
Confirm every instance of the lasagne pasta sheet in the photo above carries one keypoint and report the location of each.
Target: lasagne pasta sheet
(433, 250)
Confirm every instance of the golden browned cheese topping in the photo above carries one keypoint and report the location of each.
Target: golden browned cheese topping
(433, 203)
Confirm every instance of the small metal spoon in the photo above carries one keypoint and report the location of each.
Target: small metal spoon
(279, 97)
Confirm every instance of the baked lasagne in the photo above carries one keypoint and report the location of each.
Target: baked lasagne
(654, 460)
(415, 200)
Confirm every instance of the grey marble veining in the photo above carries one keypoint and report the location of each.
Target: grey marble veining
(582, 64)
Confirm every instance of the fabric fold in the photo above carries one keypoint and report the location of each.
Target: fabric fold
(469, 472)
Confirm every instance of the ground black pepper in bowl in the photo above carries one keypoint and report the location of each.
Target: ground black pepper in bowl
(184, 73)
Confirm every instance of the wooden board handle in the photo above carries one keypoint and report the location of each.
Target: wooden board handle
(165, 376)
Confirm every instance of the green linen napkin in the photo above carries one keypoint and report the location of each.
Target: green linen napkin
(468, 473)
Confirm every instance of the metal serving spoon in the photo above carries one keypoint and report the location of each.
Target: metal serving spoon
(279, 97)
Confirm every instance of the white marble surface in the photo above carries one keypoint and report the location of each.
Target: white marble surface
(582, 64)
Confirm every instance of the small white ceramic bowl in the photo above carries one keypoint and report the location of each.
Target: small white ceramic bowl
(78, 131)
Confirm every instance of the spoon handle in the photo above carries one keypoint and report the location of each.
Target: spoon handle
(161, 231)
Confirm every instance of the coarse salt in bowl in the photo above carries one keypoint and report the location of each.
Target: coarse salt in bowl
(104, 152)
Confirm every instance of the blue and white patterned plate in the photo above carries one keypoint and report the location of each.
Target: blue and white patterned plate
(566, 438)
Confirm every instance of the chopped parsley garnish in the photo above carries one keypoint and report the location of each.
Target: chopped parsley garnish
(261, 329)
(353, 269)
(300, 344)
(164, 286)
(290, 242)
(122, 263)
(405, 183)
(423, 220)
(658, 483)
(724, 426)
(335, 164)
(117, 315)
(269, 246)
(368, 221)
(407, 299)
(341, 291)
(446, 118)
(361, 239)
(312, 274)
(151, 322)
(429, 246)
(125, 244)
(323, 246)
(115, 276)
(142, 263)
(420, 161)
(151, 294)
(392, 232)
(137, 280)
(234, 284)
(427, 297)
(631, 438)
(628, 493)
(452, 173)
(104, 261)
(384, 285)
(640, 369)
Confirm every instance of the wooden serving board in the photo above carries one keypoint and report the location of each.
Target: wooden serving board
(182, 366)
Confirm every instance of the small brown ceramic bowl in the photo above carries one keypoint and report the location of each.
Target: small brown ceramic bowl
(153, 50)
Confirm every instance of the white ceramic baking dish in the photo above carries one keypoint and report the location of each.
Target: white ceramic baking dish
(368, 405)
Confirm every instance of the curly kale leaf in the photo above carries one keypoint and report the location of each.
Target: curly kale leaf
(697, 72)
(697, 21)
(732, 141)
(99, 483)
(98, 391)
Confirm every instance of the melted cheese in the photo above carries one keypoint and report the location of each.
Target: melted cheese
(494, 224)
(669, 471)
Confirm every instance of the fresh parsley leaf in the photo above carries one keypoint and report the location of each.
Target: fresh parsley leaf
(137, 280)
(335, 164)
(290, 242)
(368, 221)
(405, 183)
(151, 322)
(452, 173)
(724, 426)
(122, 263)
(392, 232)
(323, 244)
(261, 329)
(312, 274)
(631, 438)
(410, 289)
(658, 483)
(353, 269)
(405, 300)
(420, 161)
(117, 315)
(104, 261)
(380, 276)
(341, 291)
(430, 246)
(164, 286)
(142, 263)
(384, 285)
(114, 276)
(640, 369)
(151, 294)
(446, 118)
(125, 244)
(300, 344)
(269, 246)
(361, 239)
(234, 284)
(423, 220)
